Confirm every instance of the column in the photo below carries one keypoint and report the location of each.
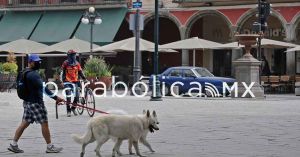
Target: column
(185, 53)
(290, 56)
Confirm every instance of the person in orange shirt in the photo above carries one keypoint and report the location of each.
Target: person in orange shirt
(71, 74)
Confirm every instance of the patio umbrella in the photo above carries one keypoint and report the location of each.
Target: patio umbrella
(22, 46)
(268, 43)
(294, 49)
(265, 43)
(194, 44)
(77, 45)
(129, 45)
(233, 45)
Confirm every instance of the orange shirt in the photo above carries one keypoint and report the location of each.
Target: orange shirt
(71, 72)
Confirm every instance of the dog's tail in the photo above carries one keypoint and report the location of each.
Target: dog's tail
(85, 138)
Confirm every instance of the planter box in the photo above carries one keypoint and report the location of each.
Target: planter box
(7, 81)
(106, 80)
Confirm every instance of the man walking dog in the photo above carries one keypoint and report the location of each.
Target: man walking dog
(30, 89)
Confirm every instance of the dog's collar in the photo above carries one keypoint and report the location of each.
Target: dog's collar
(152, 128)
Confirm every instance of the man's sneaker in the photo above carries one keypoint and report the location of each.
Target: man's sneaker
(74, 112)
(15, 149)
(68, 114)
(54, 149)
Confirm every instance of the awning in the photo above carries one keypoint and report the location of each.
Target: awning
(56, 26)
(17, 25)
(106, 31)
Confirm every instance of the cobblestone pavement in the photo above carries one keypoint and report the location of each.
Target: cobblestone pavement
(189, 127)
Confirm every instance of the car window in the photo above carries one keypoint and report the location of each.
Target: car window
(188, 73)
(203, 72)
(175, 73)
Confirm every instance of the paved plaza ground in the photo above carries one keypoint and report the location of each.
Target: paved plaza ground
(189, 127)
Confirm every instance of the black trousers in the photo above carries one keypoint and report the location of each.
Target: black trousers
(72, 90)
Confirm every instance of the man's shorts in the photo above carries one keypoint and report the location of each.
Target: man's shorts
(35, 112)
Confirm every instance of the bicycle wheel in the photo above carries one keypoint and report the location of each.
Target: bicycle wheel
(90, 101)
(80, 109)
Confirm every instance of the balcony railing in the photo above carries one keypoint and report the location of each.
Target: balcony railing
(45, 3)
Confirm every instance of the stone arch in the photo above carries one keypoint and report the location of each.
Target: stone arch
(295, 23)
(151, 16)
(252, 12)
(200, 14)
(169, 32)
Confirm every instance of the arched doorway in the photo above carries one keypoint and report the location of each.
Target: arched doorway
(297, 36)
(276, 58)
(168, 32)
(214, 27)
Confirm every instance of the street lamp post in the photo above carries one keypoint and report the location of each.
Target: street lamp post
(91, 17)
(156, 96)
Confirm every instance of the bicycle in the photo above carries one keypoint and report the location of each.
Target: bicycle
(87, 101)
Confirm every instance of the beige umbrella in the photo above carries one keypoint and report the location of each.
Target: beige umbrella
(194, 44)
(22, 46)
(129, 45)
(233, 45)
(77, 45)
(268, 43)
(265, 43)
(294, 49)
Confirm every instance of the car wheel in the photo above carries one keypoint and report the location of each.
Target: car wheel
(208, 94)
(211, 91)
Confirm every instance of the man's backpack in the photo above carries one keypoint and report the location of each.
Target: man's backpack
(22, 87)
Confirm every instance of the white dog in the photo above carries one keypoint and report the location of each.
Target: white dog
(143, 139)
(121, 127)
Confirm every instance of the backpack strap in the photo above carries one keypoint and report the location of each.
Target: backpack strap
(25, 78)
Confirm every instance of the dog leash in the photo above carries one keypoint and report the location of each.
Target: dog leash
(77, 105)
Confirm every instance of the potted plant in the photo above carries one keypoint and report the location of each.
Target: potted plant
(106, 76)
(96, 70)
(9, 71)
(10, 67)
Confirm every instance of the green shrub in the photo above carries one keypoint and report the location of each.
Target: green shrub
(1, 67)
(97, 67)
(10, 67)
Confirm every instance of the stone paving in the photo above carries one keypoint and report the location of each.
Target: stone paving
(189, 127)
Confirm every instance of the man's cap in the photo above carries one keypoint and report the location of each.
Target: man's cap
(33, 58)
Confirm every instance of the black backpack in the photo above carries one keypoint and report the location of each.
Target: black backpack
(22, 87)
